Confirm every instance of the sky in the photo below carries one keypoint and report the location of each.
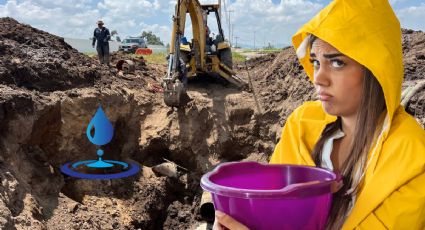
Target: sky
(258, 22)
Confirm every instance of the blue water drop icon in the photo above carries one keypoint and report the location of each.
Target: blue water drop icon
(102, 127)
(100, 132)
(103, 133)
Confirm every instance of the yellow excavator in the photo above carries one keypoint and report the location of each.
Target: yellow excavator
(202, 55)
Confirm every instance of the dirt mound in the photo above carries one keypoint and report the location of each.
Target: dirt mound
(34, 59)
(282, 84)
(48, 94)
(414, 54)
(414, 71)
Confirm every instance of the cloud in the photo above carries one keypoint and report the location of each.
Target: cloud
(268, 20)
(129, 8)
(132, 17)
(67, 6)
(77, 18)
(163, 32)
(52, 17)
(412, 17)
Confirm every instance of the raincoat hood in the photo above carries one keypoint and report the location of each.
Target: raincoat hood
(367, 31)
(392, 193)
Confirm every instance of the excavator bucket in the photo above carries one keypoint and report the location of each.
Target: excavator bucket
(143, 51)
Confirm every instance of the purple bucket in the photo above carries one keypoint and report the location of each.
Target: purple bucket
(271, 196)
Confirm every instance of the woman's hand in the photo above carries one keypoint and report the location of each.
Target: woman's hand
(223, 221)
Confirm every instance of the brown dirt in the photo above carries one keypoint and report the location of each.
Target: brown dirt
(414, 70)
(23, 49)
(45, 109)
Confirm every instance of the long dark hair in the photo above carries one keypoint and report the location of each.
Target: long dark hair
(372, 106)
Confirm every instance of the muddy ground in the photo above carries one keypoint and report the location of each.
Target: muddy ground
(49, 93)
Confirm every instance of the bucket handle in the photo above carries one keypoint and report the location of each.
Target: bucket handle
(336, 185)
(294, 186)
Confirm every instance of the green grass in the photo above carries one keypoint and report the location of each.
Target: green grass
(156, 58)
(272, 50)
(262, 50)
(90, 54)
(248, 50)
(160, 58)
(237, 57)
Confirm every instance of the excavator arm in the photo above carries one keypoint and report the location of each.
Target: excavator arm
(201, 61)
(174, 88)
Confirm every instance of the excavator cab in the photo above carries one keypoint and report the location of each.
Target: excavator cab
(200, 56)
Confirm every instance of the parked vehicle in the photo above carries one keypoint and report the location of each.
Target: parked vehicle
(131, 44)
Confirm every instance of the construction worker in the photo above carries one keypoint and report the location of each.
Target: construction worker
(352, 53)
(209, 44)
(102, 35)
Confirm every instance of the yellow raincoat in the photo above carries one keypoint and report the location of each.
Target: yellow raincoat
(393, 193)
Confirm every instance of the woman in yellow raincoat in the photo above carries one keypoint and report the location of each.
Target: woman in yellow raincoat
(352, 53)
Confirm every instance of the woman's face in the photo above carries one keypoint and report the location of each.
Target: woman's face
(338, 79)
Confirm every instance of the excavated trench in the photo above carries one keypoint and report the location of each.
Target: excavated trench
(44, 132)
(45, 107)
(47, 101)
